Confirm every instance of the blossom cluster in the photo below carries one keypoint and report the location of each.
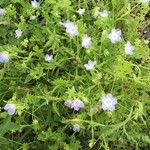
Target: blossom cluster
(4, 57)
(75, 104)
(72, 30)
(10, 108)
(108, 102)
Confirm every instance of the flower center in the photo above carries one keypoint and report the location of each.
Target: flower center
(108, 102)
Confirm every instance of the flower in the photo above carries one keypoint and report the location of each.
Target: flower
(108, 102)
(90, 65)
(75, 104)
(129, 48)
(66, 24)
(2, 12)
(35, 4)
(76, 128)
(33, 17)
(68, 103)
(104, 13)
(71, 28)
(86, 41)
(10, 108)
(115, 35)
(80, 11)
(18, 32)
(4, 57)
(48, 57)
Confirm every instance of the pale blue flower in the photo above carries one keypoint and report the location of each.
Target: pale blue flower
(104, 13)
(76, 128)
(18, 32)
(129, 48)
(68, 103)
(86, 41)
(90, 65)
(10, 108)
(115, 35)
(76, 104)
(4, 57)
(71, 28)
(48, 57)
(66, 24)
(108, 102)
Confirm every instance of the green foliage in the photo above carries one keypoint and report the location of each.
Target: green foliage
(39, 88)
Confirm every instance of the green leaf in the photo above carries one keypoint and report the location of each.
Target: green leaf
(8, 126)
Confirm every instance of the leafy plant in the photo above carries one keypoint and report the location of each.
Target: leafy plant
(89, 55)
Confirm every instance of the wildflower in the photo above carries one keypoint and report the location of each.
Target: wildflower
(115, 35)
(90, 65)
(68, 103)
(33, 17)
(35, 4)
(129, 48)
(76, 128)
(18, 32)
(71, 28)
(10, 108)
(80, 11)
(2, 12)
(76, 104)
(66, 24)
(104, 13)
(86, 41)
(48, 57)
(108, 102)
(4, 57)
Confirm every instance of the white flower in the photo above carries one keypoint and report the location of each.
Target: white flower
(35, 4)
(2, 12)
(4, 57)
(71, 28)
(18, 32)
(80, 11)
(33, 17)
(108, 102)
(129, 48)
(48, 57)
(76, 128)
(86, 41)
(104, 13)
(90, 65)
(10, 108)
(75, 104)
(66, 24)
(68, 103)
(115, 35)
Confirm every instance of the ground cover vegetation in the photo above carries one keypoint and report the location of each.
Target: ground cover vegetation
(74, 75)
